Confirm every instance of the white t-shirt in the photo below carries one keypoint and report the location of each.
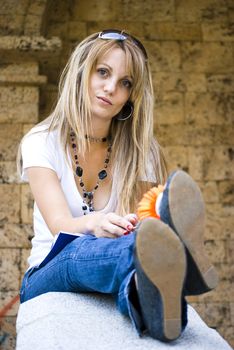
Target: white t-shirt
(43, 149)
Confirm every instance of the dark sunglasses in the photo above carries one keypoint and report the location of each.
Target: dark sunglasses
(114, 34)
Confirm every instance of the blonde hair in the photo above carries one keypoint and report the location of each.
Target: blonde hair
(133, 143)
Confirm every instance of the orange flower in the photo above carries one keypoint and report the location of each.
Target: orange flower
(146, 206)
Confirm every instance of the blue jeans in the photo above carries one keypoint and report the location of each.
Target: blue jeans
(90, 264)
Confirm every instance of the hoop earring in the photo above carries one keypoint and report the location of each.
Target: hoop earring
(126, 112)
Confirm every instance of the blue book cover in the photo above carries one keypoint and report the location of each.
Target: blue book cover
(61, 240)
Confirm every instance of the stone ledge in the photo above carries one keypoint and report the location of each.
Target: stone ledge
(16, 48)
(31, 80)
(30, 43)
(87, 321)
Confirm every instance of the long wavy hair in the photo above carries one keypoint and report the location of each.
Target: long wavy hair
(136, 155)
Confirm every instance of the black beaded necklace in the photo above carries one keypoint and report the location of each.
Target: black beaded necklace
(88, 195)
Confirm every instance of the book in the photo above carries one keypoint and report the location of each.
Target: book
(60, 241)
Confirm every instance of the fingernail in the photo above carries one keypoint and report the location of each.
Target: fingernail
(129, 227)
(126, 233)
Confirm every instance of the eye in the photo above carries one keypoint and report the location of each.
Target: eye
(102, 72)
(127, 83)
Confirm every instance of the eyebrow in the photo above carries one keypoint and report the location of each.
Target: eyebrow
(111, 69)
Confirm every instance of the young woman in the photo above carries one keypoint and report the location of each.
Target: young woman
(88, 165)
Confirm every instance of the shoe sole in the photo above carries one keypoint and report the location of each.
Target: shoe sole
(187, 211)
(162, 257)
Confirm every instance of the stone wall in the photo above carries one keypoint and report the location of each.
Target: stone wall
(190, 46)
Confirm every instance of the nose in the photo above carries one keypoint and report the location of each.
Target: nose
(110, 86)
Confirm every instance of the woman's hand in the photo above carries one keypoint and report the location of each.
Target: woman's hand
(110, 225)
(52, 203)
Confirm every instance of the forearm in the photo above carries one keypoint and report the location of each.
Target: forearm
(82, 224)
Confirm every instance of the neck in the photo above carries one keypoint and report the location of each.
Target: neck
(99, 129)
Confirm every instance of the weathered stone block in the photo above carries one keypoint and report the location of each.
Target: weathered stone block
(27, 128)
(197, 163)
(207, 57)
(230, 15)
(37, 8)
(173, 135)
(19, 7)
(48, 99)
(213, 163)
(216, 251)
(214, 313)
(192, 135)
(172, 31)
(10, 136)
(16, 235)
(218, 209)
(30, 95)
(230, 252)
(232, 312)
(11, 95)
(97, 10)
(10, 203)
(24, 261)
(226, 190)
(18, 104)
(77, 30)
(218, 227)
(220, 82)
(26, 204)
(5, 298)
(8, 332)
(36, 44)
(169, 108)
(11, 24)
(210, 191)
(209, 109)
(180, 81)
(209, 135)
(226, 273)
(32, 25)
(8, 172)
(61, 11)
(9, 269)
(164, 56)
(60, 29)
(159, 10)
(176, 157)
(21, 113)
(217, 31)
(200, 10)
(22, 68)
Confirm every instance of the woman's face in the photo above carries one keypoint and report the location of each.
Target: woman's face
(110, 85)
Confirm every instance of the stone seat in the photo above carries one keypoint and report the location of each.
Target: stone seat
(69, 321)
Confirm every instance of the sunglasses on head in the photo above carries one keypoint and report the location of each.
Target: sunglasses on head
(114, 34)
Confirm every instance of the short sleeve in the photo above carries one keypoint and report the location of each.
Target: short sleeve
(38, 150)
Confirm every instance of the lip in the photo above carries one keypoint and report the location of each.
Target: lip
(104, 99)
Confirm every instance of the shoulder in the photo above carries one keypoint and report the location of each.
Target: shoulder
(41, 134)
(41, 148)
(39, 140)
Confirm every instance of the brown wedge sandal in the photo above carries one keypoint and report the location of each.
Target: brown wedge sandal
(160, 262)
(182, 208)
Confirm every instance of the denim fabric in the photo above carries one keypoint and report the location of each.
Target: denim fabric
(90, 264)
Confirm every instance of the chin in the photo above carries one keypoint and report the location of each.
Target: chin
(102, 116)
